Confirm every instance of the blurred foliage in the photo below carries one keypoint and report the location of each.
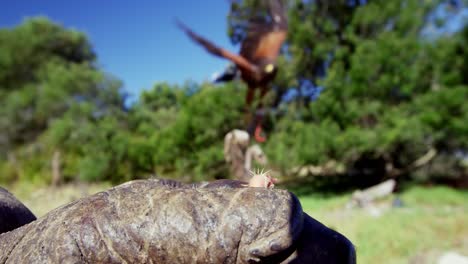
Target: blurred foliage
(384, 96)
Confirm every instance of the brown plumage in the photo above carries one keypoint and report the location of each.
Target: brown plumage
(256, 60)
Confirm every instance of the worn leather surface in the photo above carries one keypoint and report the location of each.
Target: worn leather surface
(144, 222)
(154, 221)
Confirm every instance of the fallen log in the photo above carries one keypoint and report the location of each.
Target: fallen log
(367, 196)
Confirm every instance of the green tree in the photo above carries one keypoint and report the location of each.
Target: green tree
(390, 95)
(44, 70)
(51, 91)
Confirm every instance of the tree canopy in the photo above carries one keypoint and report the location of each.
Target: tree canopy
(361, 86)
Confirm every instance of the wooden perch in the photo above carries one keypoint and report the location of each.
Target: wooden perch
(56, 168)
(240, 155)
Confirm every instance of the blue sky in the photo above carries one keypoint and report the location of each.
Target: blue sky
(137, 41)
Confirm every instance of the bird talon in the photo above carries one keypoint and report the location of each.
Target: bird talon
(258, 137)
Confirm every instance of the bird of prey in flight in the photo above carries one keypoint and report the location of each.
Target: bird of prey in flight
(257, 57)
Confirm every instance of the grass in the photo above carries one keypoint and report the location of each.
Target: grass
(431, 221)
(42, 199)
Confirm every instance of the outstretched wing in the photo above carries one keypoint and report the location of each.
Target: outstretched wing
(264, 39)
(240, 62)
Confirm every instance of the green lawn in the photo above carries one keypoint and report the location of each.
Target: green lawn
(432, 220)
